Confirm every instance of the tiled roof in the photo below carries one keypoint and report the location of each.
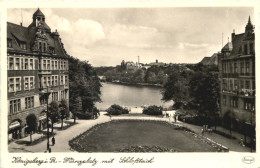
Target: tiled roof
(18, 33)
(213, 60)
(237, 42)
(227, 47)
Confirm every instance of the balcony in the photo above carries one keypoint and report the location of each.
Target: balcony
(247, 74)
(233, 92)
(247, 92)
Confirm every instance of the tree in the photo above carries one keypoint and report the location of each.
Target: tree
(76, 107)
(204, 92)
(84, 84)
(31, 122)
(176, 89)
(53, 113)
(64, 112)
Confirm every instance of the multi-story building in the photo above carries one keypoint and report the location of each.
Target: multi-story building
(37, 71)
(237, 78)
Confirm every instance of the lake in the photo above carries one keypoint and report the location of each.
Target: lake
(130, 96)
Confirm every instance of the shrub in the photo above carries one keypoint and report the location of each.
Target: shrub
(84, 116)
(117, 110)
(153, 110)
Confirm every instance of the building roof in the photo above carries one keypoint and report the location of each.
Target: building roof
(18, 34)
(227, 47)
(38, 13)
(237, 42)
(213, 60)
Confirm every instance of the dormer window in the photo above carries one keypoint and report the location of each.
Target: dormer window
(52, 50)
(40, 46)
(23, 45)
(44, 47)
(9, 43)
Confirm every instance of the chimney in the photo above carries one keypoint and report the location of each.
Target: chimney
(233, 35)
(21, 23)
(156, 60)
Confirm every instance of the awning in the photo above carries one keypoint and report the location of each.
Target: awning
(14, 125)
(42, 117)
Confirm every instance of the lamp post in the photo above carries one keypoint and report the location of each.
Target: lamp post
(47, 115)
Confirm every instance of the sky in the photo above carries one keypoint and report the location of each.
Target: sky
(106, 36)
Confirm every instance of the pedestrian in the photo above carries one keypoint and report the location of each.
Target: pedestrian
(49, 150)
(175, 118)
(242, 142)
(53, 141)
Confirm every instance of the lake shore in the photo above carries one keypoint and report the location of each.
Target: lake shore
(136, 84)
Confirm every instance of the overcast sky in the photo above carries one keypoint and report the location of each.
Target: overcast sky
(106, 36)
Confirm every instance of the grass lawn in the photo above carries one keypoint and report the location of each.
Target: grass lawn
(116, 135)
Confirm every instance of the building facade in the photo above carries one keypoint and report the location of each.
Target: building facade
(37, 70)
(237, 78)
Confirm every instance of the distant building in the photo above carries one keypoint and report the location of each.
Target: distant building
(213, 60)
(237, 77)
(36, 61)
(156, 63)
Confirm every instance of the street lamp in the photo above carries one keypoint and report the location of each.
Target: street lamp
(47, 115)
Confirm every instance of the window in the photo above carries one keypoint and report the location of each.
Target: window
(31, 64)
(11, 63)
(235, 68)
(251, 48)
(17, 63)
(40, 46)
(54, 96)
(26, 83)
(247, 84)
(56, 65)
(61, 64)
(249, 104)
(44, 47)
(44, 65)
(224, 84)
(15, 106)
(26, 64)
(43, 100)
(29, 102)
(23, 45)
(14, 84)
(230, 85)
(245, 49)
(64, 65)
(48, 81)
(233, 102)
(66, 80)
(9, 43)
(241, 84)
(31, 82)
(18, 84)
(230, 68)
(236, 85)
(52, 65)
(48, 64)
(52, 80)
(11, 85)
(44, 81)
(61, 80)
(56, 80)
(242, 67)
(247, 67)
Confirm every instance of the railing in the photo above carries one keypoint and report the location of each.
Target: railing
(247, 92)
(44, 72)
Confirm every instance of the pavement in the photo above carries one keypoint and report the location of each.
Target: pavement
(62, 137)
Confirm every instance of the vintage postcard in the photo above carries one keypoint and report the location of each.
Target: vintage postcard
(129, 84)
